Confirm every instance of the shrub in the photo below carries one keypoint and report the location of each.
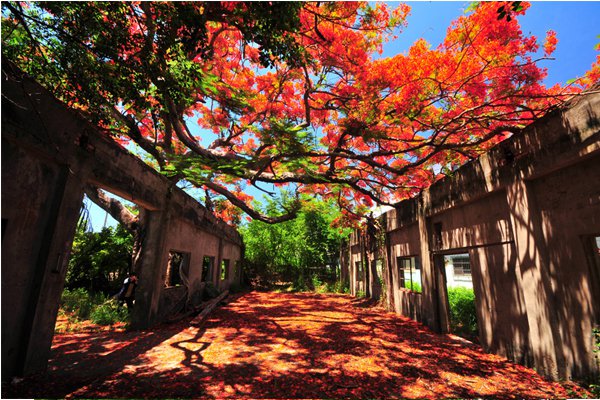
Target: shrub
(109, 313)
(463, 314)
(316, 282)
(300, 284)
(318, 285)
(78, 305)
(80, 302)
(594, 387)
(414, 286)
(338, 287)
(323, 288)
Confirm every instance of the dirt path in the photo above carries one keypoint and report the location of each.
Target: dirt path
(282, 345)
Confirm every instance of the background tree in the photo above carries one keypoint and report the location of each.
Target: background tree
(99, 261)
(296, 250)
(228, 95)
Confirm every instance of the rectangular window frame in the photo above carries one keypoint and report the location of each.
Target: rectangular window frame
(173, 276)
(208, 264)
(224, 269)
(412, 264)
(358, 265)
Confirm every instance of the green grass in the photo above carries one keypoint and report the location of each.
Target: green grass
(108, 313)
(101, 310)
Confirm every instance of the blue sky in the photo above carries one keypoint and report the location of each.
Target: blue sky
(577, 25)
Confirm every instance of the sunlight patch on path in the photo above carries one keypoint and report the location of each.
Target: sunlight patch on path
(294, 345)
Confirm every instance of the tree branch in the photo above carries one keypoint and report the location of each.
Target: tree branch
(291, 213)
(114, 207)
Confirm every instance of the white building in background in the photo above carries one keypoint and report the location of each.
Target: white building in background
(458, 271)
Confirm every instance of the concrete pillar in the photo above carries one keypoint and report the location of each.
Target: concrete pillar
(532, 270)
(352, 270)
(344, 264)
(151, 281)
(217, 272)
(40, 206)
(374, 289)
(434, 297)
(387, 273)
(36, 338)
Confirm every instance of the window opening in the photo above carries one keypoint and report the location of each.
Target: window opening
(409, 272)
(224, 269)
(207, 268)
(97, 272)
(461, 296)
(359, 270)
(176, 268)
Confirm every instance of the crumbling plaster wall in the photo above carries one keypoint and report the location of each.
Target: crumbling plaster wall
(49, 152)
(568, 202)
(526, 213)
(232, 254)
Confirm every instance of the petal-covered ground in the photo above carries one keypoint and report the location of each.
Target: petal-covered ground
(273, 345)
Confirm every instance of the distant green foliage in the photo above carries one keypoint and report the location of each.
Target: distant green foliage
(295, 251)
(414, 286)
(82, 305)
(109, 313)
(300, 284)
(463, 314)
(80, 302)
(99, 261)
(339, 287)
(594, 387)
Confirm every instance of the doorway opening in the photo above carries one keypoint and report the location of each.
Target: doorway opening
(97, 278)
(461, 296)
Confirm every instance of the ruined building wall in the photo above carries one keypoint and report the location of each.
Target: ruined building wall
(49, 152)
(527, 214)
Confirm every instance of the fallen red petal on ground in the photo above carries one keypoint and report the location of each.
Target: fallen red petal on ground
(273, 345)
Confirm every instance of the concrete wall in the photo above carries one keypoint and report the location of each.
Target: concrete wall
(527, 214)
(49, 153)
(184, 237)
(403, 243)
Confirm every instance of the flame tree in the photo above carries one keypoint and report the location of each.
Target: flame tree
(229, 95)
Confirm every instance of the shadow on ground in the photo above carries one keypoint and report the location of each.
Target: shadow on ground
(277, 345)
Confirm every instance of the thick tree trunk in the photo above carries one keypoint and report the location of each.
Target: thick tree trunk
(133, 223)
(114, 207)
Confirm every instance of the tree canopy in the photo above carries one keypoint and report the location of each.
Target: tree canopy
(227, 95)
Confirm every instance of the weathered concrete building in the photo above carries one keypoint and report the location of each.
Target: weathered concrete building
(49, 153)
(525, 219)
